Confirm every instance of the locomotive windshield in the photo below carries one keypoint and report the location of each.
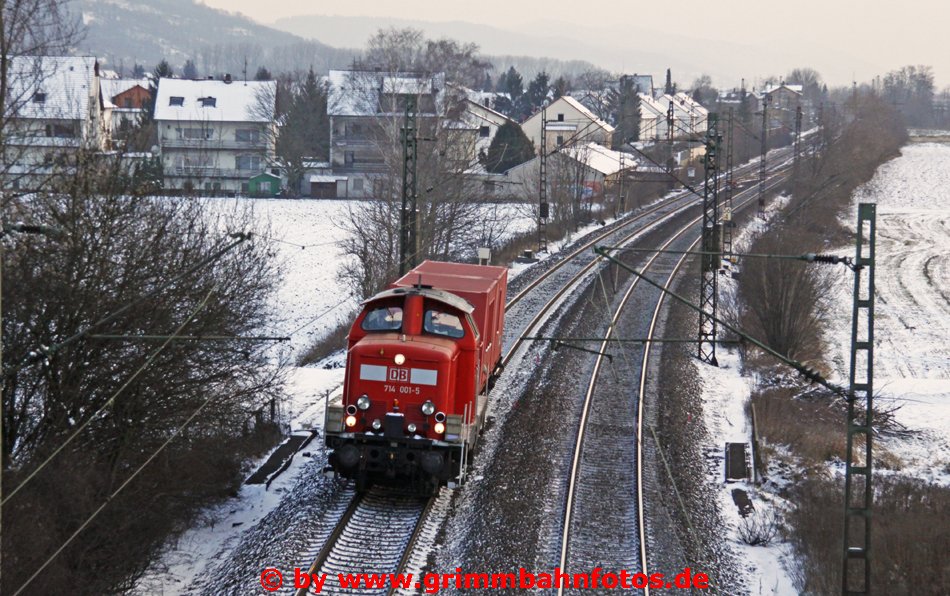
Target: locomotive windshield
(442, 323)
(383, 318)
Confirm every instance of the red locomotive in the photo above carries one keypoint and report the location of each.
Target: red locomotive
(422, 356)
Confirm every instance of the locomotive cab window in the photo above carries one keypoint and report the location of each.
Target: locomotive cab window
(383, 318)
(438, 322)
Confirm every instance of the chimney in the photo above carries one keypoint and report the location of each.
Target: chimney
(227, 79)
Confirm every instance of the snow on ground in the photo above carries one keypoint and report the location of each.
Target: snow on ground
(912, 311)
(309, 302)
(725, 396)
(912, 357)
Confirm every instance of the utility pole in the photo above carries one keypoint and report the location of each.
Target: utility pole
(858, 492)
(727, 223)
(765, 150)
(620, 199)
(543, 185)
(798, 134)
(709, 271)
(409, 230)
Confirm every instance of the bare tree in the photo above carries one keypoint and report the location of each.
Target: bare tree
(450, 212)
(124, 398)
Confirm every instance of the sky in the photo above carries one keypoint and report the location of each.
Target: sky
(880, 35)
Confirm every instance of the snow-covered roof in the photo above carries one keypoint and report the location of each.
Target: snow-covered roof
(650, 107)
(326, 179)
(793, 88)
(599, 158)
(215, 101)
(691, 104)
(51, 87)
(112, 87)
(586, 112)
(357, 93)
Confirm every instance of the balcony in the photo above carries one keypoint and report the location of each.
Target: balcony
(261, 145)
(209, 172)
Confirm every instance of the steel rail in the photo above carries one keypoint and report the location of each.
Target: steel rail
(588, 398)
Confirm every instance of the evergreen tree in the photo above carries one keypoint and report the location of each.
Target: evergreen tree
(305, 129)
(163, 70)
(669, 88)
(625, 112)
(509, 148)
(487, 84)
(513, 85)
(189, 71)
(138, 71)
(263, 74)
(537, 91)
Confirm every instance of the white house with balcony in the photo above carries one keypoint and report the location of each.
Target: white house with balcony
(214, 135)
(54, 109)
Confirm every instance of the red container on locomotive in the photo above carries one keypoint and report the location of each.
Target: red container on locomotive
(422, 356)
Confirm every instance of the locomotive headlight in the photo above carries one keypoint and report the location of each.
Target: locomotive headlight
(377, 424)
(411, 428)
(439, 428)
(399, 359)
(363, 402)
(428, 408)
(350, 421)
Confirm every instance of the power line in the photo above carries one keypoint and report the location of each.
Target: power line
(43, 353)
(111, 400)
(115, 493)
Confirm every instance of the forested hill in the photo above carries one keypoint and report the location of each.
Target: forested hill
(126, 32)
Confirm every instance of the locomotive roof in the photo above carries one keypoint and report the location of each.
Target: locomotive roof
(430, 293)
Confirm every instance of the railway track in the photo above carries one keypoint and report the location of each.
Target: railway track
(587, 473)
(379, 531)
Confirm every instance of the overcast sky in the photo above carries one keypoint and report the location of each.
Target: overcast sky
(884, 33)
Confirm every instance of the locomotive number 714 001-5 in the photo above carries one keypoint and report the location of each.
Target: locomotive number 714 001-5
(402, 389)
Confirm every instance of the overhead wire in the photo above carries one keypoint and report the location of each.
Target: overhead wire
(69, 439)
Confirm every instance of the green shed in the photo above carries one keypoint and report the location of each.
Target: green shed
(264, 184)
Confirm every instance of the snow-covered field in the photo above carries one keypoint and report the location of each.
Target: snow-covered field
(309, 302)
(912, 357)
(912, 312)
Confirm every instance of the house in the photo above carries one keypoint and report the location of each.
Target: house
(55, 109)
(653, 119)
(474, 125)
(129, 99)
(214, 135)
(568, 122)
(689, 117)
(784, 97)
(587, 169)
(366, 110)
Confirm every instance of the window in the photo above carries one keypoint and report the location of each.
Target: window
(349, 158)
(560, 117)
(358, 184)
(483, 132)
(443, 323)
(128, 102)
(208, 102)
(39, 97)
(176, 101)
(560, 139)
(383, 318)
(247, 135)
(248, 162)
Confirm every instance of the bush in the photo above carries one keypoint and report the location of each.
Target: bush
(115, 250)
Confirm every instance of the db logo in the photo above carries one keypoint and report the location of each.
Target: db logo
(400, 375)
